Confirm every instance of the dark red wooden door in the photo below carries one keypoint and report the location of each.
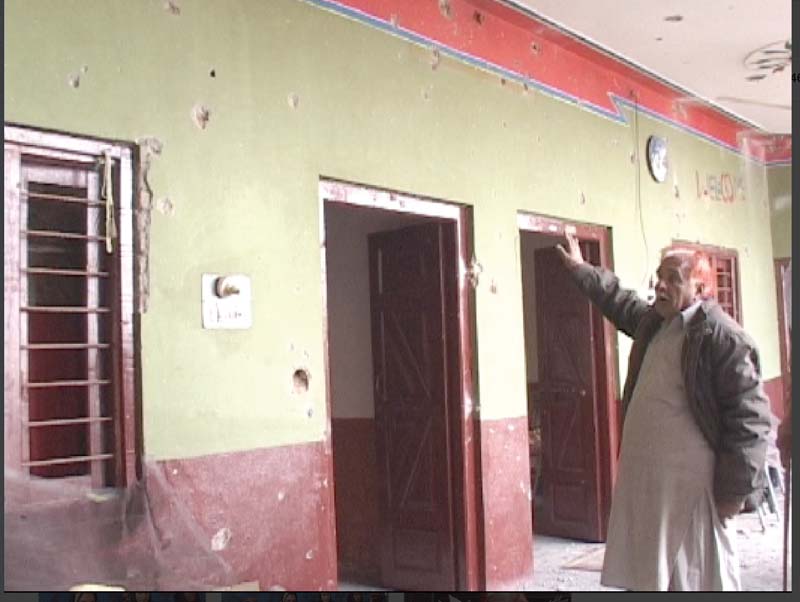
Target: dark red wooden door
(415, 355)
(567, 398)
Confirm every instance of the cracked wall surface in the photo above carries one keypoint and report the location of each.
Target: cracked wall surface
(362, 106)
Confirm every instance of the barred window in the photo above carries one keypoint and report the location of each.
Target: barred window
(68, 300)
(725, 271)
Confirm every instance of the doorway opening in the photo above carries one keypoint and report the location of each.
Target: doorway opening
(398, 357)
(573, 416)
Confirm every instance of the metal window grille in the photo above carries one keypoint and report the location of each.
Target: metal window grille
(70, 302)
(727, 283)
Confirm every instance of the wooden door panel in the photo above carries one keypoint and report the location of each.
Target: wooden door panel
(414, 352)
(567, 397)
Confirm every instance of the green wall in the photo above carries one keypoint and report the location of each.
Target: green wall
(779, 181)
(371, 110)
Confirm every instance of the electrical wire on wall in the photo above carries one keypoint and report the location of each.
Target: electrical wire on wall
(646, 274)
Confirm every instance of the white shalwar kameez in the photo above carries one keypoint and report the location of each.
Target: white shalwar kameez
(664, 531)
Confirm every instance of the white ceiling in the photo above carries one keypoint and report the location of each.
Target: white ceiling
(703, 53)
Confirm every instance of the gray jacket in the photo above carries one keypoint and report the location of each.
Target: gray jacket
(722, 377)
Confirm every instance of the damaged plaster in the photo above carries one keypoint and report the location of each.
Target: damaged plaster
(172, 7)
(201, 115)
(445, 9)
(221, 539)
(148, 148)
(435, 58)
(300, 381)
(165, 206)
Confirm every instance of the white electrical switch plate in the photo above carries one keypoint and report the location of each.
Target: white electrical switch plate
(227, 302)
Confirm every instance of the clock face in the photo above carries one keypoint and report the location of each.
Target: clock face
(657, 158)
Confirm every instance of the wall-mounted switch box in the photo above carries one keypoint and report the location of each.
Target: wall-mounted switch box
(227, 302)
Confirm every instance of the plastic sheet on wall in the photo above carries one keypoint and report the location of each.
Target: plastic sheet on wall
(60, 535)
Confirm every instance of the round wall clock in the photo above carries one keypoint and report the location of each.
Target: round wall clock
(657, 158)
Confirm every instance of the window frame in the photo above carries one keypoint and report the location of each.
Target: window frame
(21, 142)
(715, 254)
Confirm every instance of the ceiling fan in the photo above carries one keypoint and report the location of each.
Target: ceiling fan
(772, 58)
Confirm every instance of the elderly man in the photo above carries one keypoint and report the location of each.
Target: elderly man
(695, 428)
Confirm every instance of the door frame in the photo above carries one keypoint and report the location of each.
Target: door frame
(784, 332)
(465, 454)
(609, 415)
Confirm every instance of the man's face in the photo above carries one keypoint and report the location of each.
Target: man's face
(675, 290)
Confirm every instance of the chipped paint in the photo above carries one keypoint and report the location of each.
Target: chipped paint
(301, 381)
(165, 206)
(445, 9)
(201, 115)
(149, 146)
(172, 7)
(435, 58)
(293, 100)
(221, 539)
(607, 89)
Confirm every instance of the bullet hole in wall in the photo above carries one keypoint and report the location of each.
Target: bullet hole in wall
(165, 206)
(212, 73)
(300, 380)
(172, 7)
(435, 58)
(444, 8)
(200, 115)
(477, 17)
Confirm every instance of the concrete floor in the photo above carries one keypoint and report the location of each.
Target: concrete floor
(760, 555)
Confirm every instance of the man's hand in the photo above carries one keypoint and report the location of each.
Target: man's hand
(728, 509)
(573, 257)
